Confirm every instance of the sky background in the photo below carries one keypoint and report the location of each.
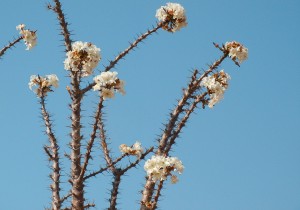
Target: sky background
(244, 154)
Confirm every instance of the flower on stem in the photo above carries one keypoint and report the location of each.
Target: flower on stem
(84, 57)
(28, 36)
(160, 167)
(42, 84)
(107, 83)
(236, 51)
(172, 16)
(216, 85)
(136, 149)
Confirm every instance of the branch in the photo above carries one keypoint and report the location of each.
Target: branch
(183, 121)
(138, 160)
(157, 195)
(124, 53)
(104, 169)
(10, 45)
(63, 24)
(55, 176)
(105, 149)
(193, 86)
(92, 139)
(115, 190)
(133, 45)
(187, 94)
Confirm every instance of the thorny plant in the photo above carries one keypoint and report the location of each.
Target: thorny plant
(205, 88)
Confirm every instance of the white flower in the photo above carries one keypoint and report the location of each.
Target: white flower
(107, 83)
(136, 149)
(28, 36)
(160, 167)
(107, 93)
(172, 16)
(42, 85)
(216, 85)
(53, 80)
(84, 57)
(237, 51)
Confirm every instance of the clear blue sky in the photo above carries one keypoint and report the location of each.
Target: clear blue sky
(242, 155)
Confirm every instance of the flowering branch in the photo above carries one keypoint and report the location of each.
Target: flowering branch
(54, 157)
(163, 142)
(124, 53)
(10, 45)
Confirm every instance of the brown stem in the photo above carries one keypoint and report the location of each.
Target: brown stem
(10, 45)
(92, 139)
(54, 157)
(183, 121)
(133, 45)
(124, 53)
(105, 149)
(157, 195)
(167, 134)
(115, 190)
(104, 169)
(77, 182)
(138, 160)
(63, 24)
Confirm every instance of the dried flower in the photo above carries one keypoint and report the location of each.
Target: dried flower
(136, 149)
(237, 51)
(84, 57)
(172, 16)
(216, 85)
(28, 36)
(43, 84)
(107, 83)
(160, 167)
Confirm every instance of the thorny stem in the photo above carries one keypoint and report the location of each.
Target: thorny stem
(77, 181)
(118, 172)
(124, 53)
(188, 93)
(104, 169)
(63, 24)
(10, 45)
(92, 139)
(181, 124)
(183, 121)
(54, 157)
(156, 197)
(138, 160)
(115, 190)
(133, 45)
(105, 149)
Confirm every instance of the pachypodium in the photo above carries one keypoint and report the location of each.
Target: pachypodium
(205, 88)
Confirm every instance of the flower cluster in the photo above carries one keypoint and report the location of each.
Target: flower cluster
(108, 83)
(216, 85)
(160, 167)
(172, 17)
(84, 57)
(42, 84)
(236, 51)
(28, 36)
(136, 149)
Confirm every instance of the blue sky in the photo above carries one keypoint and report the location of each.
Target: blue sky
(241, 155)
